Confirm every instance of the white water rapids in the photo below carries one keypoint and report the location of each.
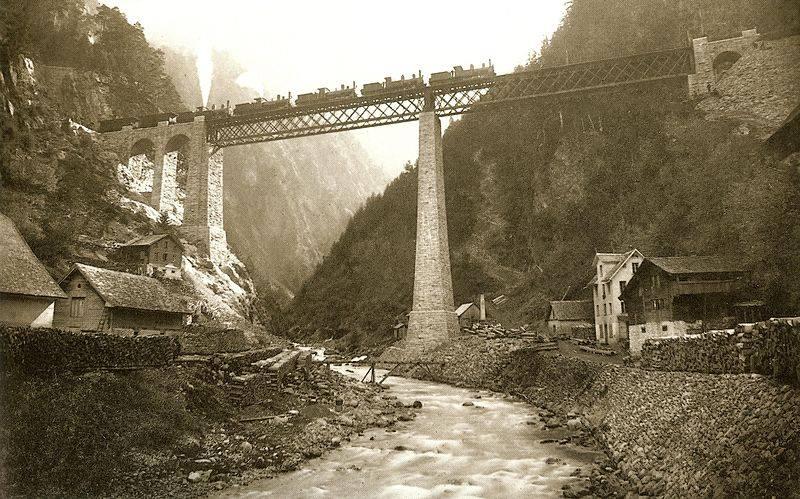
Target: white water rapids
(449, 450)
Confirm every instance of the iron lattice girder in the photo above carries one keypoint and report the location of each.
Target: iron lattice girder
(457, 98)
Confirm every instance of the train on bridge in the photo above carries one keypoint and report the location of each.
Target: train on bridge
(386, 88)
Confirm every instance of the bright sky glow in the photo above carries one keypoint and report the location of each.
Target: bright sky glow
(301, 45)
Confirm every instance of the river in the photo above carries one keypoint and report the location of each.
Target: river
(450, 450)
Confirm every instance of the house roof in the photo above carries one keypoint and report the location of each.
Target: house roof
(121, 289)
(708, 264)
(22, 273)
(571, 310)
(149, 240)
(463, 308)
(627, 256)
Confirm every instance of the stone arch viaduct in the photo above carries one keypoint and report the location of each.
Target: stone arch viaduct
(198, 139)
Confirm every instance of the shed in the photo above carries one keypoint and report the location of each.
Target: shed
(102, 300)
(570, 317)
(27, 292)
(157, 251)
(399, 331)
(468, 313)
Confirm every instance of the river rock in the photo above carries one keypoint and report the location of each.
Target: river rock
(467, 404)
(417, 404)
(199, 476)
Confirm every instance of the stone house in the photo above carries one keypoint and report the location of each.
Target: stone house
(468, 313)
(163, 252)
(27, 292)
(107, 300)
(674, 296)
(612, 272)
(570, 317)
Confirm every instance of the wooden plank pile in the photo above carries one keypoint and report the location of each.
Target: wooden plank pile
(600, 351)
(252, 388)
(546, 346)
(265, 375)
(491, 331)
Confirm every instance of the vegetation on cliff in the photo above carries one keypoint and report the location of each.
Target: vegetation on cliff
(533, 192)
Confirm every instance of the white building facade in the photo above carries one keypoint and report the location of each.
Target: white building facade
(612, 272)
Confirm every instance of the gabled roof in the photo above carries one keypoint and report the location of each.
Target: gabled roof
(627, 256)
(708, 264)
(464, 307)
(150, 240)
(121, 289)
(571, 310)
(21, 272)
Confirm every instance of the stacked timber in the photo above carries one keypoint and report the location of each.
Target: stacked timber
(492, 331)
(771, 348)
(251, 388)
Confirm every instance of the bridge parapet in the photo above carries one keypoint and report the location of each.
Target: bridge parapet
(711, 58)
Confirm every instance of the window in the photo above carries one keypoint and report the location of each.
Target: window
(663, 327)
(165, 257)
(635, 267)
(622, 306)
(604, 309)
(622, 286)
(76, 306)
(597, 309)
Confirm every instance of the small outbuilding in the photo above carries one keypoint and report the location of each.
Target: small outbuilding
(105, 300)
(399, 331)
(570, 318)
(27, 292)
(158, 251)
(468, 313)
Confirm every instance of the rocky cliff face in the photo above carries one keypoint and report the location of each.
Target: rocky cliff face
(286, 202)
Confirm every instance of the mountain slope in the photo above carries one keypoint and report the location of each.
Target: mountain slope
(286, 202)
(534, 190)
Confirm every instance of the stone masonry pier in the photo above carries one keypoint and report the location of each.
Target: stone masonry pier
(432, 319)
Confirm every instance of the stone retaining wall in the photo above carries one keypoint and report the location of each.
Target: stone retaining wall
(771, 348)
(697, 435)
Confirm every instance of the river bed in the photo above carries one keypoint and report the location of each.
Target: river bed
(489, 449)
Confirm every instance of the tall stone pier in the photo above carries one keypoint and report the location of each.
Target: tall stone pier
(432, 317)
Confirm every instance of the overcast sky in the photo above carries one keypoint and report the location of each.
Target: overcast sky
(299, 45)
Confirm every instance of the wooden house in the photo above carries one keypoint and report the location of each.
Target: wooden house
(673, 296)
(105, 300)
(162, 252)
(468, 313)
(27, 292)
(572, 318)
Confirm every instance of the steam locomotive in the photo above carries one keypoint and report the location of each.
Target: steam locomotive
(459, 74)
(323, 95)
(260, 105)
(389, 87)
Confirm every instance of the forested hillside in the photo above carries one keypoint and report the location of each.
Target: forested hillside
(534, 191)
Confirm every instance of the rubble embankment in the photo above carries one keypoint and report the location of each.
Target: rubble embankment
(675, 434)
(173, 429)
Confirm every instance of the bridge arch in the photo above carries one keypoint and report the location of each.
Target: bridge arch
(169, 182)
(141, 165)
(724, 60)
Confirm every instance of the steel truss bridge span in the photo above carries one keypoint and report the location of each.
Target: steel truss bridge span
(449, 100)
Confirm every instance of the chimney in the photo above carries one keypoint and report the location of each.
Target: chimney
(483, 308)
